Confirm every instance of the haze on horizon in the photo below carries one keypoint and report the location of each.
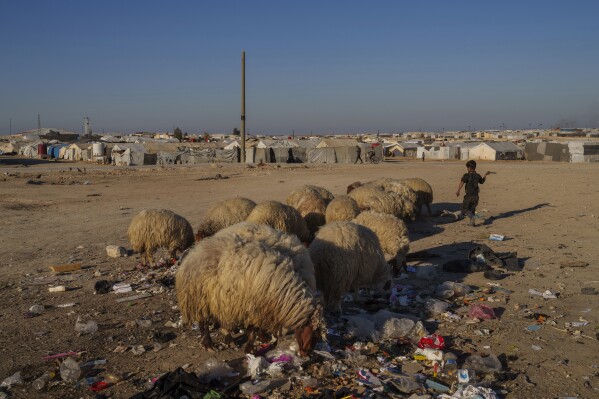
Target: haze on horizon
(322, 67)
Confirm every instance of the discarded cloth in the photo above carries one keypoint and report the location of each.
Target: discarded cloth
(174, 385)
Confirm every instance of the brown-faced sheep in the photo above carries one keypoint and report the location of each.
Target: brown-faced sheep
(224, 214)
(159, 228)
(342, 208)
(353, 186)
(230, 280)
(312, 207)
(281, 217)
(347, 256)
(392, 233)
(424, 193)
(298, 193)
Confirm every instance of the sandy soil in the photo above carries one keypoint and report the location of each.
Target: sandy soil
(548, 212)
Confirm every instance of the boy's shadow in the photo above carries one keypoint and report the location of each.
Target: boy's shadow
(504, 215)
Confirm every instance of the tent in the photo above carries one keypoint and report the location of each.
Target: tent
(10, 147)
(325, 143)
(321, 155)
(29, 150)
(126, 154)
(547, 152)
(54, 150)
(74, 152)
(496, 151)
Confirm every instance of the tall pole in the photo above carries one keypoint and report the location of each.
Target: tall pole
(10, 126)
(39, 125)
(243, 107)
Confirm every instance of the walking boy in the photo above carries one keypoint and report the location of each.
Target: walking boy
(471, 180)
(359, 152)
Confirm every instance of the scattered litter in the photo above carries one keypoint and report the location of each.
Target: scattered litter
(482, 312)
(496, 237)
(14, 379)
(534, 327)
(135, 297)
(115, 251)
(59, 288)
(547, 294)
(69, 267)
(102, 287)
(122, 288)
(89, 327)
(70, 370)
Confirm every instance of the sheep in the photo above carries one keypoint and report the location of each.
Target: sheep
(224, 214)
(424, 193)
(288, 244)
(369, 197)
(347, 256)
(407, 195)
(233, 280)
(353, 186)
(281, 217)
(342, 208)
(312, 208)
(159, 228)
(392, 234)
(296, 195)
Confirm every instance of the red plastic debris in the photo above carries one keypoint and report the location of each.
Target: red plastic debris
(432, 341)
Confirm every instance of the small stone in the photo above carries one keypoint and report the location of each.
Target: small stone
(114, 251)
(138, 350)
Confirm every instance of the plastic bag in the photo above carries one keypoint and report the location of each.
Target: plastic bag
(450, 289)
(397, 328)
(435, 306)
(361, 327)
(481, 311)
(406, 384)
(433, 341)
(489, 364)
(257, 365)
(89, 327)
(214, 369)
(14, 379)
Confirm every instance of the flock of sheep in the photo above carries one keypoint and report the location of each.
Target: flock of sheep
(259, 266)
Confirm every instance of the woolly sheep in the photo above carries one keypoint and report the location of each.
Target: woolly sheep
(312, 207)
(159, 228)
(281, 217)
(407, 196)
(224, 214)
(235, 281)
(287, 244)
(347, 256)
(296, 195)
(342, 208)
(392, 234)
(424, 193)
(369, 197)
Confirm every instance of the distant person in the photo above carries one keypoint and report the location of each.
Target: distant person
(359, 156)
(422, 156)
(471, 180)
(290, 158)
(370, 155)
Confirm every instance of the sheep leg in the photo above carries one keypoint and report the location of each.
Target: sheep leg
(249, 346)
(173, 254)
(150, 257)
(206, 341)
(228, 336)
(428, 206)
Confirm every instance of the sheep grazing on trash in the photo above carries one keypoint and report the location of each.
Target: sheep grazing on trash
(281, 217)
(342, 208)
(297, 194)
(159, 228)
(347, 256)
(224, 214)
(287, 244)
(392, 233)
(235, 281)
(424, 193)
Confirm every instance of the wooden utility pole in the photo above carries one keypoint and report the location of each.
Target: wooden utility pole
(243, 107)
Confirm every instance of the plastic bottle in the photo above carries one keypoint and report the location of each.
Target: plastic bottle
(450, 365)
(41, 382)
(70, 370)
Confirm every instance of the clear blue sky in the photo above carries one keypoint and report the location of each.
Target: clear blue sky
(321, 66)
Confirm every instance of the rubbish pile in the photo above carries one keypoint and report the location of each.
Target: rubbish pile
(404, 345)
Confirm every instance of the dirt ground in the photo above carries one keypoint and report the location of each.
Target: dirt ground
(53, 214)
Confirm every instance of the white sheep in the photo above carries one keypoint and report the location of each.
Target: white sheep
(159, 228)
(298, 193)
(342, 208)
(234, 281)
(392, 233)
(424, 193)
(347, 256)
(281, 217)
(224, 214)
